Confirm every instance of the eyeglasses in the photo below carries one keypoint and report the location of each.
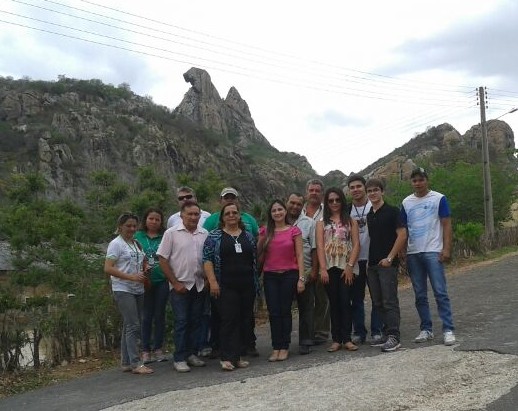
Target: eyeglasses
(185, 197)
(227, 213)
(229, 197)
(373, 190)
(334, 200)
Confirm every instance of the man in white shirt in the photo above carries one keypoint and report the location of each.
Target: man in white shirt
(315, 209)
(184, 194)
(359, 209)
(180, 258)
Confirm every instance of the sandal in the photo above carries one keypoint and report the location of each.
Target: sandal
(242, 364)
(283, 355)
(349, 346)
(142, 369)
(126, 368)
(334, 347)
(274, 357)
(227, 366)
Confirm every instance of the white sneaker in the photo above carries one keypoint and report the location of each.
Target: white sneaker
(449, 338)
(424, 336)
(181, 366)
(194, 361)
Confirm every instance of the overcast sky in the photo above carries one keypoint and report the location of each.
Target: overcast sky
(340, 82)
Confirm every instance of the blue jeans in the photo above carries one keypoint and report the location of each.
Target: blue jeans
(360, 281)
(187, 309)
(279, 292)
(422, 266)
(155, 301)
(130, 307)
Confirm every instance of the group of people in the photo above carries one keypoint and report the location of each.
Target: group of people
(316, 249)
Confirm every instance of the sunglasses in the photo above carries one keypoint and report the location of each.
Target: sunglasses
(185, 197)
(334, 200)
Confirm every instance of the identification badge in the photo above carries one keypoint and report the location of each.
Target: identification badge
(237, 246)
(151, 261)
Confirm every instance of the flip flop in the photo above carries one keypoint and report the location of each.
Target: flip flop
(142, 369)
(334, 347)
(349, 346)
(227, 366)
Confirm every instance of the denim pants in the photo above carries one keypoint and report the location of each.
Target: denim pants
(236, 304)
(187, 309)
(360, 281)
(279, 292)
(383, 288)
(340, 303)
(130, 307)
(423, 266)
(155, 301)
(306, 303)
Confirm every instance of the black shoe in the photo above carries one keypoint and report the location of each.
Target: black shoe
(252, 352)
(304, 349)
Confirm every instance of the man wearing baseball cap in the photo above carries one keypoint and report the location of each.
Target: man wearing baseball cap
(230, 195)
(426, 214)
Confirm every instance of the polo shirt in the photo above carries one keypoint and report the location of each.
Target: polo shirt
(184, 251)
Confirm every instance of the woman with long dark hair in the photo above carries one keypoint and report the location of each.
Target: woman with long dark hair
(125, 264)
(229, 262)
(280, 248)
(157, 292)
(338, 247)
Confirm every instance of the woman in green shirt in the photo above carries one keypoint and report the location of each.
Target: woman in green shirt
(157, 292)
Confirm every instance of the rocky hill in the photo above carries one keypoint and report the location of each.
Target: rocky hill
(69, 129)
(442, 145)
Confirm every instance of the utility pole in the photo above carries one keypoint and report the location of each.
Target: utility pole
(488, 193)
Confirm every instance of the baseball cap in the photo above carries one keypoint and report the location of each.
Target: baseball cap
(229, 190)
(420, 171)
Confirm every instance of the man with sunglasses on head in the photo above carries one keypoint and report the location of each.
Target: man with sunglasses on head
(184, 194)
(358, 209)
(426, 214)
(230, 195)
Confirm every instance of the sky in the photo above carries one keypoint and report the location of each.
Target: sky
(342, 83)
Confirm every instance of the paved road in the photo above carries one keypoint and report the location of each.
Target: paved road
(481, 372)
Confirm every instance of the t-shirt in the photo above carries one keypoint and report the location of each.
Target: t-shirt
(281, 255)
(237, 268)
(129, 259)
(382, 230)
(212, 222)
(150, 247)
(422, 216)
(359, 213)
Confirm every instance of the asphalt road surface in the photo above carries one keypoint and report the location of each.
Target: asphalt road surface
(479, 372)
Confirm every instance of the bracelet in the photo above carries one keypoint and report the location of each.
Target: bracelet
(302, 279)
(350, 265)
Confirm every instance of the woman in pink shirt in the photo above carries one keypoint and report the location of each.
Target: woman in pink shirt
(280, 250)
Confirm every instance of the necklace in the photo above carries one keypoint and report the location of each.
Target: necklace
(361, 218)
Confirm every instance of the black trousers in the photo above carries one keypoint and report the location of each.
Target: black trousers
(340, 297)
